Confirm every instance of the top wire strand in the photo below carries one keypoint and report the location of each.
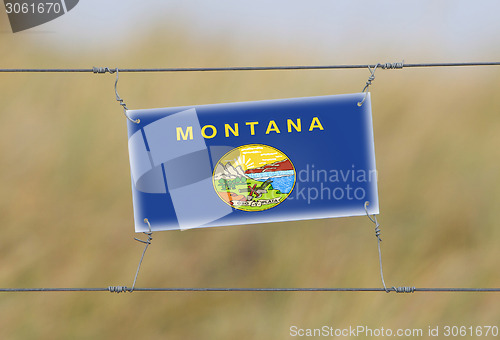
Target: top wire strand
(245, 68)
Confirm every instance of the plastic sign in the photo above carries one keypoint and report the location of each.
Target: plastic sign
(252, 162)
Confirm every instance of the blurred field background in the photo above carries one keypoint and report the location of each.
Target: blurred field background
(66, 207)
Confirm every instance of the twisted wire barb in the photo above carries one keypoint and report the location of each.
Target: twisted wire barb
(392, 66)
(103, 70)
(117, 289)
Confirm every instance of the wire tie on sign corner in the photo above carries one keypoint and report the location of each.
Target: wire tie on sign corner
(373, 218)
(368, 83)
(371, 78)
(377, 235)
(122, 289)
(149, 234)
(102, 70)
(118, 99)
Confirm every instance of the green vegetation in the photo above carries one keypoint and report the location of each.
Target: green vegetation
(249, 194)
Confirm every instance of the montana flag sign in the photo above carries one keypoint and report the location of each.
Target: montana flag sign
(252, 162)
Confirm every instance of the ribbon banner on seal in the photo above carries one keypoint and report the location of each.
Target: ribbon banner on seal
(252, 162)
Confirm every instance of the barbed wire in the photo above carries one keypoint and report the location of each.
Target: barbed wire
(121, 289)
(398, 65)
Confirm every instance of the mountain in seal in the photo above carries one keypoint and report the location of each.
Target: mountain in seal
(228, 171)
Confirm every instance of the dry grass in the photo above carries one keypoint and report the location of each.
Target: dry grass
(66, 210)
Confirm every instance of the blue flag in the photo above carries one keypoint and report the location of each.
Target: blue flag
(252, 162)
